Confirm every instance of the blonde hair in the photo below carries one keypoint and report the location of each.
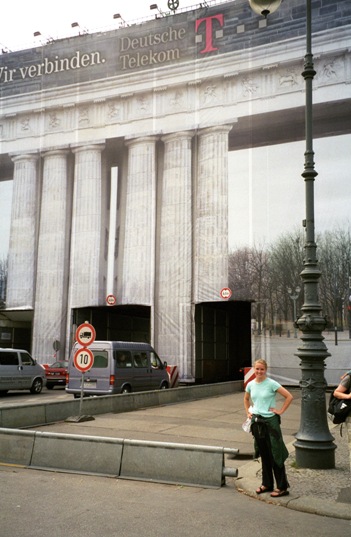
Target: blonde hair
(262, 362)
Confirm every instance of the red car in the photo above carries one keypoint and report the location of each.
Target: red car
(56, 374)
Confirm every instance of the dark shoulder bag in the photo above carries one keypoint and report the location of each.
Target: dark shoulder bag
(339, 409)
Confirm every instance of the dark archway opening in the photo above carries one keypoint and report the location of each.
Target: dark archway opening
(117, 323)
(222, 340)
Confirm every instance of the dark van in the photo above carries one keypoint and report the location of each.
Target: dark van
(119, 367)
(19, 371)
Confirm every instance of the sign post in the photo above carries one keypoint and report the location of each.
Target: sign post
(83, 360)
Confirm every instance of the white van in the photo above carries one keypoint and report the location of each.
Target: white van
(19, 371)
(119, 367)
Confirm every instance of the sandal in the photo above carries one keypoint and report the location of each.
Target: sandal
(278, 493)
(263, 489)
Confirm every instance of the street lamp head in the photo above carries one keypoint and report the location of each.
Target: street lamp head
(264, 7)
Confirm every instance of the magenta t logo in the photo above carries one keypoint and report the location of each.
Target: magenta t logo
(209, 23)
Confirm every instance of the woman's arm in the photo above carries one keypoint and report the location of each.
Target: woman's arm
(288, 398)
(340, 392)
(247, 404)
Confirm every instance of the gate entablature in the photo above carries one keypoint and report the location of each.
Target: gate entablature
(180, 72)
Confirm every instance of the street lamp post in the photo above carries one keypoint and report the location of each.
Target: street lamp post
(294, 295)
(314, 443)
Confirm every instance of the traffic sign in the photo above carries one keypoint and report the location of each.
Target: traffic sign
(83, 359)
(226, 292)
(110, 300)
(85, 334)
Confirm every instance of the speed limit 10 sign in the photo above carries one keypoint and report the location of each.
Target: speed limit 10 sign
(83, 359)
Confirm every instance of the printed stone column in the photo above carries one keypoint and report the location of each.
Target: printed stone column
(52, 263)
(174, 269)
(22, 249)
(139, 238)
(211, 214)
(86, 228)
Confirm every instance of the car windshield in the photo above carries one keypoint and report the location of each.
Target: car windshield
(59, 364)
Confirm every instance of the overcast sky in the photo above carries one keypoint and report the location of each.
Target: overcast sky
(20, 19)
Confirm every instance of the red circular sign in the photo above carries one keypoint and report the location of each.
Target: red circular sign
(226, 292)
(85, 334)
(110, 300)
(83, 359)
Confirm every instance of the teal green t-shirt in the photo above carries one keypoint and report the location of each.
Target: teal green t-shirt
(263, 396)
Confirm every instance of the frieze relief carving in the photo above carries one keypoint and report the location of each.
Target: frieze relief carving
(113, 112)
(143, 104)
(210, 94)
(249, 87)
(289, 79)
(54, 120)
(230, 89)
(25, 123)
(176, 100)
(83, 116)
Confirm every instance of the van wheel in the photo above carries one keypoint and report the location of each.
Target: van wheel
(36, 386)
(126, 389)
(164, 386)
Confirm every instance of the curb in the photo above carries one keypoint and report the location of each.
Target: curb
(248, 482)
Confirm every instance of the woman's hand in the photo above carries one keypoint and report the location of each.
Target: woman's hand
(275, 411)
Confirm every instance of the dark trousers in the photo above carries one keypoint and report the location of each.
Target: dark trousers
(269, 467)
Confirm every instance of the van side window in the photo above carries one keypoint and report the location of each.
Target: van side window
(123, 359)
(155, 361)
(100, 360)
(8, 358)
(140, 359)
(26, 359)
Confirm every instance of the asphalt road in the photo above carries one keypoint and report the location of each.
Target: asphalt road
(37, 504)
(24, 397)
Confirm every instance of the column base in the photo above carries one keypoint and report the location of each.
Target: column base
(314, 455)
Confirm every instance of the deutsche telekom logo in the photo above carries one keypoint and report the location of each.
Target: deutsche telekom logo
(210, 24)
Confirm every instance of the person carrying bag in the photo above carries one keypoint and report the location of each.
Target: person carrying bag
(339, 406)
(265, 427)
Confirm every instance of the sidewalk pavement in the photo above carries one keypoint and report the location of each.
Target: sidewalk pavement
(217, 422)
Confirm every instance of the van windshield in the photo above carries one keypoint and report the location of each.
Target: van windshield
(100, 359)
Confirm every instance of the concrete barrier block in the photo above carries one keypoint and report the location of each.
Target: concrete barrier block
(55, 412)
(20, 416)
(16, 447)
(101, 404)
(79, 453)
(172, 463)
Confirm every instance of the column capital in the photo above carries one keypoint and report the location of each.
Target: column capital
(57, 151)
(181, 135)
(78, 148)
(18, 157)
(143, 139)
(217, 129)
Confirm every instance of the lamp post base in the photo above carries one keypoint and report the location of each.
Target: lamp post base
(314, 455)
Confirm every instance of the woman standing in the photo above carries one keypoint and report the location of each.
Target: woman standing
(265, 427)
